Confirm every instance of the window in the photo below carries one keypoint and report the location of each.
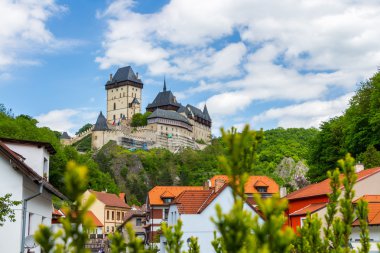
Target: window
(261, 188)
(123, 215)
(46, 168)
(108, 229)
(114, 106)
(166, 214)
(108, 215)
(138, 222)
(118, 215)
(113, 215)
(112, 228)
(167, 200)
(302, 221)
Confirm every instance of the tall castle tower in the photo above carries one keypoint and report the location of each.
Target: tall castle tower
(124, 91)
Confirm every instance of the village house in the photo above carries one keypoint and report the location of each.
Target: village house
(158, 200)
(109, 209)
(137, 218)
(25, 174)
(195, 208)
(313, 198)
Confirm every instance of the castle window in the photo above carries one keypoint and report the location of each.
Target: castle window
(116, 89)
(114, 117)
(114, 106)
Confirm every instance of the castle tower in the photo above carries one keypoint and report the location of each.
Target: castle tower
(98, 138)
(124, 91)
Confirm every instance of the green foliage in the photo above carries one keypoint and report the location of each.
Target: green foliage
(25, 127)
(309, 239)
(139, 119)
(173, 235)
(362, 214)
(193, 245)
(74, 235)
(357, 132)
(83, 145)
(84, 128)
(6, 208)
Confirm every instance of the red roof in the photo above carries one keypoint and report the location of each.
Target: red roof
(252, 183)
(191, 201)
(95, 221)
(155, 194)
(109, 199)
(167, 194)
(323, 188)
(369, 198)
(309, 209)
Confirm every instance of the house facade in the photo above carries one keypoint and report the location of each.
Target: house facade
(109, 209)
(25, 174)
(158, 201)
(137, 218)
(195, 209)
(314, 198)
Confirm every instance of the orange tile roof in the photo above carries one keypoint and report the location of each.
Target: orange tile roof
(155, 193)
(369, 198)
(109, 199)
(373, 215)
(167, 194)
(95, 221)
(253, 181)
(323, 188)
(308, 209)
(190, 201)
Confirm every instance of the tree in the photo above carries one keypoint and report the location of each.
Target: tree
(84, 128)
(6, 210)
(139, 119)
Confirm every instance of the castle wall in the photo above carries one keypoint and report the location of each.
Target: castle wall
(100, 138)
(200, 131)
(119, 100)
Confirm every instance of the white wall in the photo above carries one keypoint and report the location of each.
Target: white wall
(200, 225)
(11, 182)
(34, 156)
(374, 232)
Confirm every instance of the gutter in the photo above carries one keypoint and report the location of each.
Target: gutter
(24, 210)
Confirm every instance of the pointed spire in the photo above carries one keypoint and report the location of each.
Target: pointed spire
(205, 113)
(164, 83)
(101, 123)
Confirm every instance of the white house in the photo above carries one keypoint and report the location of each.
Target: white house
(195, 208)
(24, 169)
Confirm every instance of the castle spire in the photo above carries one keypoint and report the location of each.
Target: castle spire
(164, 84)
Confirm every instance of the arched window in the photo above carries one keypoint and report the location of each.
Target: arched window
(114, 106)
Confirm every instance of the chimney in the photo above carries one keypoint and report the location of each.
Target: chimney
(122, 196)
(283, 192)
(137, 75)
(359, 167)
(207, 185)
(219, 184)
(110, 77)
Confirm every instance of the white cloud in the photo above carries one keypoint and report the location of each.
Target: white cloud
(68, 120)
(241, 51)
(23, 31)
(307, 114)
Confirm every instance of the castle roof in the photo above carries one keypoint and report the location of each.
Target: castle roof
(135, 101)
(194, 111)
(65, 136)
(101, 123)
(122, 75)
(164, 98)
(167, 114)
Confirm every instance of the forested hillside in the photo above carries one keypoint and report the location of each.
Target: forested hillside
(357, 131)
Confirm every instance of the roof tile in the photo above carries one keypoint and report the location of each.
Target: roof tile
(109, 199)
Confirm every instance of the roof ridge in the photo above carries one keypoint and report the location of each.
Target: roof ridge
(209, 196)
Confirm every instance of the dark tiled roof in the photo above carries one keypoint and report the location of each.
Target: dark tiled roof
(205, 113)
(124, 74)
(135, 101)
(164, 98)
(166, 114)
(101, 123)
(65, 136)
(198, 112)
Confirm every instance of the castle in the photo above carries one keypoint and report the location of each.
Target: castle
(170, 125)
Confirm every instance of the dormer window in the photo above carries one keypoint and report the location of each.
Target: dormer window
(262, 188)
(167, 200)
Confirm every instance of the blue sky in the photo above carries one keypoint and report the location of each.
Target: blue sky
(268, 63)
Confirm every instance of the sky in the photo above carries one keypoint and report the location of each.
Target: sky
(289, 63)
